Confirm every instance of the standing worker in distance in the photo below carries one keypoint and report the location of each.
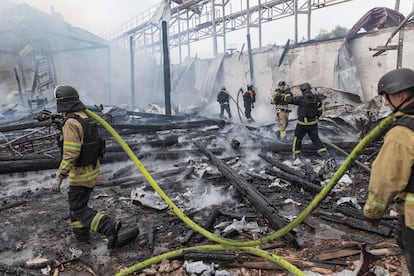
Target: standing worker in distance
(249, 98)
(279, 99)
(392, 174)
(81, 150)
(223, 98)
(310, 108)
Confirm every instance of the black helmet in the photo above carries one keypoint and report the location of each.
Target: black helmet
(67, 99)
(223, 88)
(305, 86)
(396, 81)
(281, 83)
(65, 92)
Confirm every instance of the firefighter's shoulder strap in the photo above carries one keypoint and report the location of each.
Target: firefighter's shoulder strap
(407, 121)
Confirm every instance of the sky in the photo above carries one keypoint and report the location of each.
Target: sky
(102, 16)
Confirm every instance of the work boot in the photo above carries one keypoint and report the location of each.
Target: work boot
(81, 234)
(113, 237)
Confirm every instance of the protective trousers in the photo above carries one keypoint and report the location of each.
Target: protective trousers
(283, 120)
(405, 240)
(248, 109)
(226, 107)
(84, 218)
(312, 131)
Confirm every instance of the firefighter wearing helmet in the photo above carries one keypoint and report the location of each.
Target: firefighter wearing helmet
(81, 149)
(392, 175)
(223, 98)
(310, 108)
(279, 99)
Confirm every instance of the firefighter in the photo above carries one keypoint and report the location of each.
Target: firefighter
(249, 98)
(310, 108)
(392, 175)
(279, 99)
(81, 150)
(223, 98)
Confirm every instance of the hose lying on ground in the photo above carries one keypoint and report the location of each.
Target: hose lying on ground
(228, 244)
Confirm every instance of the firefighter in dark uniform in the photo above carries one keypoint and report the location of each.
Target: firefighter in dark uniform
(81, 150)
(223, 98)
(310, 108)
(249, 98)
(279, 99)
(392, 175)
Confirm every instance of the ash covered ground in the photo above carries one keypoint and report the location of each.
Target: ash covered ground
(36, 236)
(334, 239)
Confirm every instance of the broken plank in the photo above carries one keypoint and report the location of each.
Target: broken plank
(256, 199)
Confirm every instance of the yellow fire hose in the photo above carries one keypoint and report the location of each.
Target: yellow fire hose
(228, 244)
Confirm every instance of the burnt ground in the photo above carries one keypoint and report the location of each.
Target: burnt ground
(36, 237)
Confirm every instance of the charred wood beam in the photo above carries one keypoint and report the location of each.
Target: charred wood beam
(33, 156)
(171, 154)
(258, 201)
(306, 185)
(162, 117)
(285, 147)
(383, 230)
(189, 170)
(139, 178)
(358, 214)
(12, 205)
(31, 125)
(332, 145)
(47, 164)
(28, 165)
(144, 128)
(238, 215)
(207, 225)
(215, 256)
(136, 145)
(151, 231)
(267, 265)
(311, 174)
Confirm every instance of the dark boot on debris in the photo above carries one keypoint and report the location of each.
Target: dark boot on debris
(127, 236)
(81, 234)
(113, 236)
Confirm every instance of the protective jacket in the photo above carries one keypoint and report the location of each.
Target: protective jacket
(75, 152)
(392, 174)
(223, 97)
(310, 108)
(280, 97)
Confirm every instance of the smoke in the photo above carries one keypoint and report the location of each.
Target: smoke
(19, 184)
(201, 195)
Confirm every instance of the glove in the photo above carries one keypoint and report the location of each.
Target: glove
(252, 105)
(56, 184)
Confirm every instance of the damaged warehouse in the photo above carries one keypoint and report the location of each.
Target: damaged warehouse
(197, 195)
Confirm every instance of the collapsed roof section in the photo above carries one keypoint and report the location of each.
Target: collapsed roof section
(345, 70)
(376, 18)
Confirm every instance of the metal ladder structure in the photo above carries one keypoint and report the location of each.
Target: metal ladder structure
(38, 75)
(195, 20)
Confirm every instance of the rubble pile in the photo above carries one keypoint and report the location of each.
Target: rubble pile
(237, 181)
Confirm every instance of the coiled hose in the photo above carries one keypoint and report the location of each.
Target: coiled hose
(228, 244)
